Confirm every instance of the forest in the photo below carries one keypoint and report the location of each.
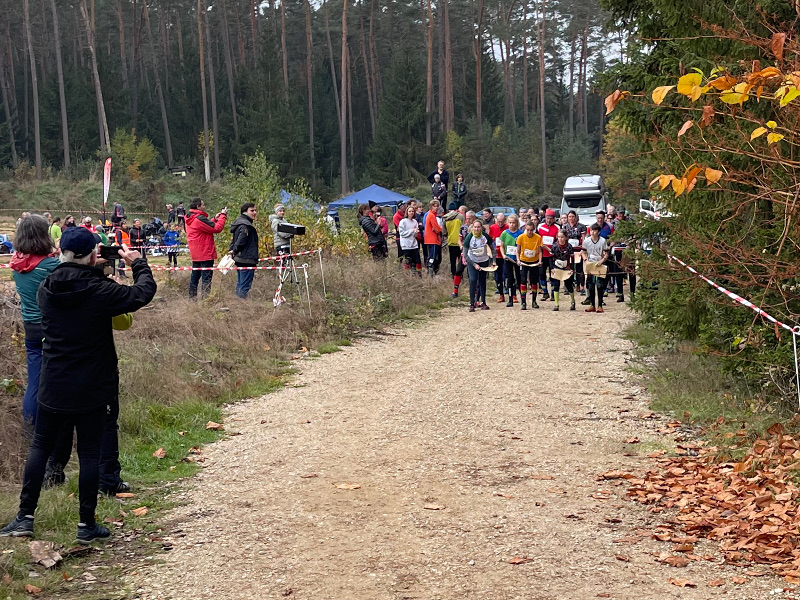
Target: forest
(340, 94)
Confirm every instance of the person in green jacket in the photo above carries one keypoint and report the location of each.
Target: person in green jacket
(55, 226)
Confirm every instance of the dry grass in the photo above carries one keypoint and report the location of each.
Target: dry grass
(221, 349)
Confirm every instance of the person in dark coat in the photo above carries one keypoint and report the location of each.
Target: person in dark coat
(459, 192)
(375, 238)
(79, 379)
(244, 247)
(444, 179)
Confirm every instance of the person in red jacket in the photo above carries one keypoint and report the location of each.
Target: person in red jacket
(433, 238)
(200, 231)
(549, 232)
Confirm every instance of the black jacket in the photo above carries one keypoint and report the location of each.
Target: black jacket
(79, 360)
(138, 237)
(244, 241)
(460, 193)
(375, 236)
(444, 177)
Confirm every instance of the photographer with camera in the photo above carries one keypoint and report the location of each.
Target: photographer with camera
(281, 240)
(244, 247)
(79, 379)
(200, 232)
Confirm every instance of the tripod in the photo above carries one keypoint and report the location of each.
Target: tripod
(286, 273)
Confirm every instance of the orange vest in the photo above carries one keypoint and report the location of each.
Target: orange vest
(125, 237)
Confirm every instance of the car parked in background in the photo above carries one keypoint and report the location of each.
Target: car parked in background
(506, 210)
(652, 210)
(585, 194)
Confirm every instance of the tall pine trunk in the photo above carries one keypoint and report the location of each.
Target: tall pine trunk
(572, 88)
(201, 8)
(334, 80)
(254, 30)
(105, 138)
(5, 95)
(429, 78)
(343, 97)
(35, 85)
(212, 84)
(542, 119)
(525, 104)
(449, 108)
(123, 59)
(61, 96)
(159, 90)
(479, 69)
(283, 53)
(368, 78)
(377, 85)
(226, 40)
(310, 79)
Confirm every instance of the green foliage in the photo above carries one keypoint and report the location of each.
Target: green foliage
(133, 157)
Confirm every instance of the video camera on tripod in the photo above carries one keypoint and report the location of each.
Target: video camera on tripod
(291, 229)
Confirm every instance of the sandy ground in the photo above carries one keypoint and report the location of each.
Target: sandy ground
(501, 419)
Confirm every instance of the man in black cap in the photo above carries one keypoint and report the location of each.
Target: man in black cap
(79, 378)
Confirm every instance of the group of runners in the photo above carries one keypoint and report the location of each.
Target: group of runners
(530, 259)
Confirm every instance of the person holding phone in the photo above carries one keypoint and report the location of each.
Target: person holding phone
(200, 232)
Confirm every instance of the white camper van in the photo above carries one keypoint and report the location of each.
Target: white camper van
(585, 194)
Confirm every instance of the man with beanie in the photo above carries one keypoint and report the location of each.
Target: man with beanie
(282, 241)
(244, 247)
(79, 379)
(200, 232)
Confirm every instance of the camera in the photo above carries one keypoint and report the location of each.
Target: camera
(110, 252)
(292, 229)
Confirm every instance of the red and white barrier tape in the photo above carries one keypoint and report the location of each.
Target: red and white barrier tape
(737, 298)
(163, 268)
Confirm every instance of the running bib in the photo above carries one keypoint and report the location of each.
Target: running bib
(498, 243)
(574, 243)
(479, 251)
(529, 253)
(511, 251)
(548, 240)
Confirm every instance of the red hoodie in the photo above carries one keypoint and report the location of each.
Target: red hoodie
(200, 232)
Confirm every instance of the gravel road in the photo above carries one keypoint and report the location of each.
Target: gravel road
(473, 441)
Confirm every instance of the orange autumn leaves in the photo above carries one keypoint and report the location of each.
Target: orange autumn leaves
(688, 180)
(749, 506)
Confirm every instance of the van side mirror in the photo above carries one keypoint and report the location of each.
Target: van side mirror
(645, 205)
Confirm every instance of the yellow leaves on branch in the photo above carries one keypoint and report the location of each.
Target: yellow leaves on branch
(772, 137)
(689, 85)
(685, 184)
(739, 94)
(613, 99)
(661, 92)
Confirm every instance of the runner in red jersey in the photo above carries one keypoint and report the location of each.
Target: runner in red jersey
(549, 232)
(495, 231)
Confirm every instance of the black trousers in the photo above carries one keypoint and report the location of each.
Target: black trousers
(528, 279)
(198, 275)
(512, 277)
(49, 426)
(455, 255)
(499, 274)
(595, 286)
(413, 261)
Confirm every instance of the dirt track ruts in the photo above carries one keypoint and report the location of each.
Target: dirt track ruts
(504, 418)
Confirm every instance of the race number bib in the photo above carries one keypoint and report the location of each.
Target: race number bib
(574, 243)
(548, 240)
(511, 251)
(479, 251)
(498, 242)
(529, 253)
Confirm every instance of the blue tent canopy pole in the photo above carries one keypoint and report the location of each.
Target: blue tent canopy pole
(381, 196)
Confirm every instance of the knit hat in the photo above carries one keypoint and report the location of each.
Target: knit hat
(78, 240)
(279, 207)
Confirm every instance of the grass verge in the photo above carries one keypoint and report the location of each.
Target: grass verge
(180, 363)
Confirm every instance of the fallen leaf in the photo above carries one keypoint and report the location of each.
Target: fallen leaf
(214, 426)
(685, 128)
(123, 514)
(181, 433)
(434, 507)
(113, 521)
(681, 582)
(603, 595)
(632, 440)
(309, 476)
(347, 486)
(139, 512)
(738, 580)
(506, 496)
(676, 561)
(123, 495)
(66, 576)
(160, 453)
(32, 589)
(716, 582)
(44, 553)
(520, 560)
(623, 558)
(754, 573)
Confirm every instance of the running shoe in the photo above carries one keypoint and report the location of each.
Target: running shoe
(534, 304)
(591, 309)
(572, 306)
(524, 306)
(89, 533)
(586, 302)
(484, 306)
(510, 303)
(600, 309)
(19, 527)
(471, 308)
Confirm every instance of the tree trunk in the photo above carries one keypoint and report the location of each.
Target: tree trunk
(572, 88)
(351, 138)
(310, 79)
(159, 90)
(449, 108)
(283, 53)
(226, 40)
(429, 79)
(333, 70)
(135, 67)
(583, 112)
(164, 27)
(61, 95)
(201, 8)
(239, 35)
(368, 79)
(212, 84)
(479, 69)
(377, 84)
(35, 86)
(343, 96)
(525, 106)
(105, 143)
(437, 16)
(254, 30)
(542, 119)
(5, 94)
(123, 59)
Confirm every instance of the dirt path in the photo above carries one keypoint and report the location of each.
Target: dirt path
(492, 416)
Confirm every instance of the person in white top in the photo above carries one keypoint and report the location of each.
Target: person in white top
(408, 230)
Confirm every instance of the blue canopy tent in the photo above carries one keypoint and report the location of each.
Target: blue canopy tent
(293, 200)
(381, 196)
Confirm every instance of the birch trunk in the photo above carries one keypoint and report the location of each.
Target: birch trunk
(226, 41)
(201, 8)
(61, 95)
(212, 84)
(343, 96)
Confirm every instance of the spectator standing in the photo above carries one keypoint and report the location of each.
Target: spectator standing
(375, 238)
(180, 214)
(200, 232)
(409, 237)
(122, 237)
(282, 241)
(172, 240)
(460, 191)
(86, 223)
(444, 179)
(118, 215)
(69, 221)
(138, 238)
(244, 247)
(439, 190)
(453, 221)
(171, 218)
(79, 378)
(433, 238)
(55, 229)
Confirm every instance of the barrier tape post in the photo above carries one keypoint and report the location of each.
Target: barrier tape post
(322, 272)
(308, 291)
(795, 331)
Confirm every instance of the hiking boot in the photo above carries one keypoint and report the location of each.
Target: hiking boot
(120, 488)
(555, 308)
(19, 527)
(591, 309)
(572, 306)
(524, 306)
(600, 309)
(620, 298)
(545, 297)
(88, 533)
(484, 306)
(471, 308)
(510, 303)
(454, 295)
(586, 302)
(533, 304)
